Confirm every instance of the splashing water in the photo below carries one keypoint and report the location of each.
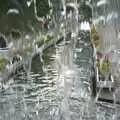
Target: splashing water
(56, 83)
(106, 21)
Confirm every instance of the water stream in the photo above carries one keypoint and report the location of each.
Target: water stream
(57, 85)
(60, 91)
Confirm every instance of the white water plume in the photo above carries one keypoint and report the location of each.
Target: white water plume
(102, 2)
(106, 20)
(16, 11)
(29, 2)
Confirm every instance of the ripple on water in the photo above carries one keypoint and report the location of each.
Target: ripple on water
(59, 92)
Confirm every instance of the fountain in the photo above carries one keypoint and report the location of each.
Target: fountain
(58, 60)
(105, 39)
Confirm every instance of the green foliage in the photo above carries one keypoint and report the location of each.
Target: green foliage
(3, 7)
(42, 7)
(44, 40)
(3, 63)
(49, 38)
(40, 42)
(86, 11)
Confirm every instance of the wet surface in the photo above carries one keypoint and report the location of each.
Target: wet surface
(57, 88)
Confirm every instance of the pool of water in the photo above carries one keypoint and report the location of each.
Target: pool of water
(57, 88)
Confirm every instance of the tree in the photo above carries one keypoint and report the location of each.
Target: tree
(86, 11)
(42, 7)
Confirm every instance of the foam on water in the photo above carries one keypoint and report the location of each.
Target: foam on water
(57, 83)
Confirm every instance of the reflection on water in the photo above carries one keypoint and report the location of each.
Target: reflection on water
(58, 88)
